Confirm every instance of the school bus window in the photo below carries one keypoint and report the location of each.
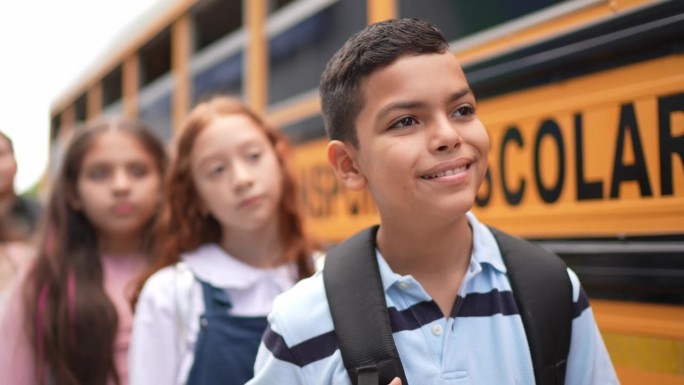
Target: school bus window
(274, 5)
(112, 87)
(155, 58)
(55, 125)
(81, 108)
(215, 19)
(458, 19)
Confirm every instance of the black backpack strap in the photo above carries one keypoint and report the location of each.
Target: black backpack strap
(359, 311)
(543, 294)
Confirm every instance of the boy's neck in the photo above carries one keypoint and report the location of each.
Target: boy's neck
(437, 256)
(261, 249)
(412, 248)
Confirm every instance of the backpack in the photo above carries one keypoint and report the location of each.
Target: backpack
(539, 282)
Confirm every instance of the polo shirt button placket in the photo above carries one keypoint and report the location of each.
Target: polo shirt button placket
(437, 330)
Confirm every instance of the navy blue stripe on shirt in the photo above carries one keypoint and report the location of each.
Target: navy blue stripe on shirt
(581, 304)
(304, 353)
(414, 317)
(486, 304)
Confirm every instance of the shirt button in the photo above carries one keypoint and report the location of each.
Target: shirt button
(404, 285)
(437, 330)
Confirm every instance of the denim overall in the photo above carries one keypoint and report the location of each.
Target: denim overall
(226, 345)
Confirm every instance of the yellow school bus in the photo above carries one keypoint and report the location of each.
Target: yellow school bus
(583, 101)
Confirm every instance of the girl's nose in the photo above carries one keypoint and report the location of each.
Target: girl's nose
(122, 181)
(242, 176)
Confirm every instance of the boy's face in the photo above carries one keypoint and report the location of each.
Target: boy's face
(422, 150)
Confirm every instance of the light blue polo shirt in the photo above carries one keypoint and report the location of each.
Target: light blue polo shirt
(482, 342)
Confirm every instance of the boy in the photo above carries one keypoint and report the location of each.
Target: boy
(402, 123)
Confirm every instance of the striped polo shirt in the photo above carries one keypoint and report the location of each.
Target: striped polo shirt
(481, 342)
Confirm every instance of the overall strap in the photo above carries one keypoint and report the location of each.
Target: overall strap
(543, 294)
(215, 299)
(359, 311)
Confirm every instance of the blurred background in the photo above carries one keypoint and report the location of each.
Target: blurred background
(48, 46)
(583, 100)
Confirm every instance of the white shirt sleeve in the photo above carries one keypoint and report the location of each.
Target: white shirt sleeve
(154, 356)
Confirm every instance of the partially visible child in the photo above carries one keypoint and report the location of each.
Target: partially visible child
(403, 125)
(19, 218)
(69, 319)
(231, 215)
(15, 254)
(20, 215)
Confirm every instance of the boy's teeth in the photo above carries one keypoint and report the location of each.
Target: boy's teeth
(446, 173)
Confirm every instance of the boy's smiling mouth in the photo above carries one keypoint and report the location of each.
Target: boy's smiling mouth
(448, 172)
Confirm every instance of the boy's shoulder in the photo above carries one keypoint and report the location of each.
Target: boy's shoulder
(302, 313)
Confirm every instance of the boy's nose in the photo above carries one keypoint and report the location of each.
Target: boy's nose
(446, 136)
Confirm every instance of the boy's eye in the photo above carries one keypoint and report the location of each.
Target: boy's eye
(404, 122)
(464, 111)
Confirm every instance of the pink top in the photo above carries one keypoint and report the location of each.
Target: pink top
(16, 354)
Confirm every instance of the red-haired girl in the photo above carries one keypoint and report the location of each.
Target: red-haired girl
(69, 321)
(231, 215)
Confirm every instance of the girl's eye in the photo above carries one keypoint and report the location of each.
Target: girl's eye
(464, 111)
(404, 122)
(216, 171)
(138, 170)
(98, 173)
(254, 156)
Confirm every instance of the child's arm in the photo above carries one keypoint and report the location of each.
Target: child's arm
(153, 355)
(17, 364)
(299, 346)
(588, 360)
(267, 367)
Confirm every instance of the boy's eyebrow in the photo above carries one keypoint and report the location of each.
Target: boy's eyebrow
(405, 105)
(459, 94)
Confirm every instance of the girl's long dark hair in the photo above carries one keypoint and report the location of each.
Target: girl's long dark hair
(72, 321)
(182, 225)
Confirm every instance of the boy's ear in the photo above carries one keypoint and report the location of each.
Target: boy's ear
(342, 159)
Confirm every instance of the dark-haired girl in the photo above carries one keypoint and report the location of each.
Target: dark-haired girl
(69, 322)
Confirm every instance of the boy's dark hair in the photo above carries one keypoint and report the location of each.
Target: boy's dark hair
(376, 46)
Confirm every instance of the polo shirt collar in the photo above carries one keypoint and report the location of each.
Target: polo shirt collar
(485, 251)
(485, 248)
